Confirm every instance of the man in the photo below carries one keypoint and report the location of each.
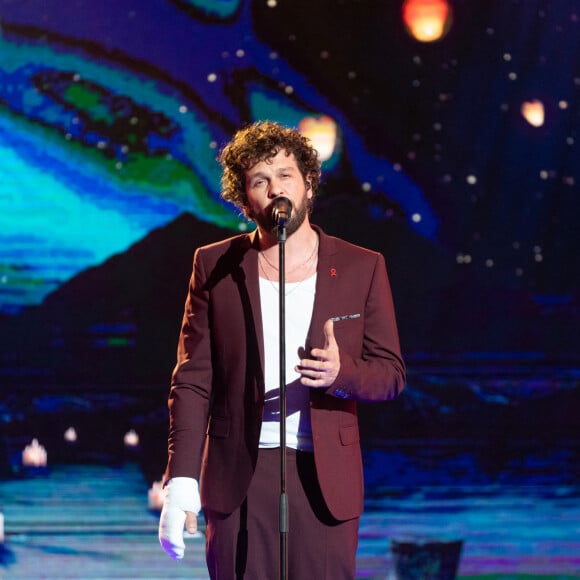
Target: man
(341, 346)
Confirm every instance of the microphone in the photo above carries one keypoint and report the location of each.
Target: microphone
(281, 211)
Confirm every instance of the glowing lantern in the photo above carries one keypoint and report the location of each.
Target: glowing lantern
(131, 438)
(156, 496)
(533, 112)
(70, 435)
(427, 20)
(322, 133)
(34, 455)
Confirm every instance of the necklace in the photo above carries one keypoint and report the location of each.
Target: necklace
(295, 267)
(274, 285)
(295, 284)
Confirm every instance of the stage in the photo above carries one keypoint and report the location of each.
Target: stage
(93, 521)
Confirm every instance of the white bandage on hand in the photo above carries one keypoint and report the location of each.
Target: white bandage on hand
(182, 496)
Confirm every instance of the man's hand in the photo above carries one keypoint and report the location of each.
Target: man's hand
(180, 509)
(322, 369)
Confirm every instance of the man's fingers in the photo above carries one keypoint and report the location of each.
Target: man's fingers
(329, 333)
(191, 522)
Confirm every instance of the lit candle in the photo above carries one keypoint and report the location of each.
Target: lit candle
(34, 455)
(156, 496)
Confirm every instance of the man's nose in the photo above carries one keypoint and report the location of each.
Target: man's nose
(275, 190)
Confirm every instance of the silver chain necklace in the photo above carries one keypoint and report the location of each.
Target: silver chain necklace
(295, 267)
(296, 285)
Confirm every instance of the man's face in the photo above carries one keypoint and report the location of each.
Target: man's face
(275, 177)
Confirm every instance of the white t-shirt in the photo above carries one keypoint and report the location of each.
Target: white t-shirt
(299, 304)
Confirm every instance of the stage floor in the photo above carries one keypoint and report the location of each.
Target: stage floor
(92, 521)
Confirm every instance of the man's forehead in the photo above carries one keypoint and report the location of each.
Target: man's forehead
(285, 157)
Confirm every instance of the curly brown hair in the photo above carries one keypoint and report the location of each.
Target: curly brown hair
(258, 142)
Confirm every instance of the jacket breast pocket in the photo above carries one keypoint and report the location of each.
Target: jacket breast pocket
(349, 336)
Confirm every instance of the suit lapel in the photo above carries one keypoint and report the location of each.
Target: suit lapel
(326, 280)
(250, 268)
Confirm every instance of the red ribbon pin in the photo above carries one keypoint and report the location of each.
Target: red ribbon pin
(333, 272)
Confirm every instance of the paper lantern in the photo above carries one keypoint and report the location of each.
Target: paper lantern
(533, 112)
(131, 438)
(322, 133)
(427, 20)
(70, 435)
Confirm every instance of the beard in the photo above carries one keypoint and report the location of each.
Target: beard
(266, 223)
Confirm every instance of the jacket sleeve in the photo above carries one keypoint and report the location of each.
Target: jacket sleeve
(376, 372)
(191, 382)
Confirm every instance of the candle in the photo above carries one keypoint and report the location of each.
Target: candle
(34, 455)
(156, 496)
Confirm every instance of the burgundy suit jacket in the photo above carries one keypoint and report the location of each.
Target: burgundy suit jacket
(217, 390)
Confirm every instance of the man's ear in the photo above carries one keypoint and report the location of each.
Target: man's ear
(246, 208)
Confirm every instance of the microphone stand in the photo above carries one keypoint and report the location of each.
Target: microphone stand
(282, 322)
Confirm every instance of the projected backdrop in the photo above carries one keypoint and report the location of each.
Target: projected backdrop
(458, 156)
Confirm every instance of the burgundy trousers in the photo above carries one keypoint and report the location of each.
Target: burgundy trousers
(246, 543)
